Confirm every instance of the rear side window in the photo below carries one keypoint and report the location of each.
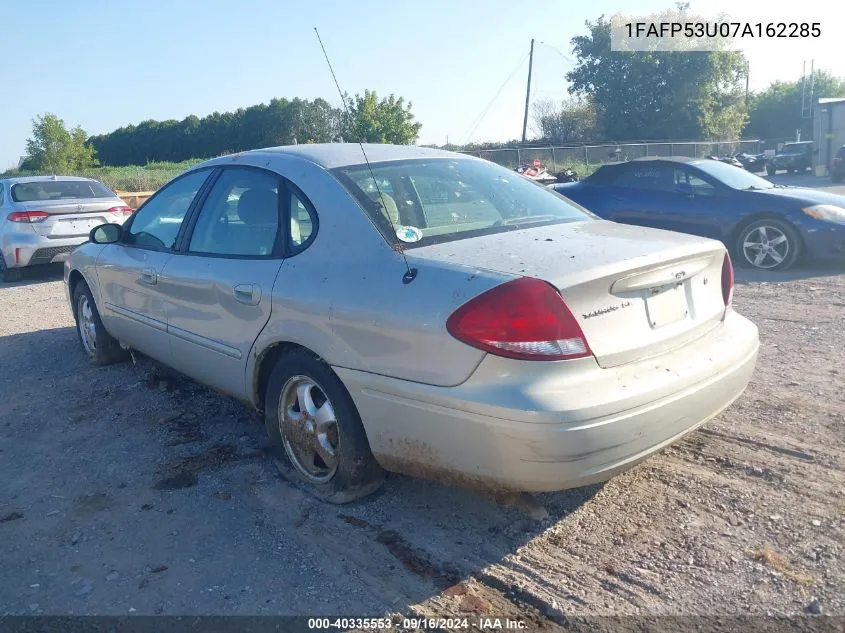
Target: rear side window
(302, 222)
(604, 175)
(653, 177)
(40, 190)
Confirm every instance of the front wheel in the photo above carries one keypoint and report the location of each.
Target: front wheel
(315, 431)
(100, 347)
(770, 171)
(768, 244)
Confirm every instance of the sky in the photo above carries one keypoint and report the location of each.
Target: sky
(103, 64)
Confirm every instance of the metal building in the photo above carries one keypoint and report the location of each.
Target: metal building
(828, 130)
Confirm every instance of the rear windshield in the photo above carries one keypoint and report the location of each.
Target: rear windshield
(423, 202)
(59, 190)
(795, 149)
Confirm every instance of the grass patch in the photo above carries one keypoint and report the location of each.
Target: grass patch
(129, 178)
(776, 561)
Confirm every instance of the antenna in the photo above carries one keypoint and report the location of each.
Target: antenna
(411, 273)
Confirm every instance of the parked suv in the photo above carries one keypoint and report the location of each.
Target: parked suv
(43, 218)
(794, 157)
(837, 168)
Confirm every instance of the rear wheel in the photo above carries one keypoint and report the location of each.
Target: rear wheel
(768, 244)
(315, 431)
(8, 275)
(770, 171)
(100, 347)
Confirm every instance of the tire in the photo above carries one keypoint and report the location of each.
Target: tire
(836, 179)
(9, 275)
(99, 346)
(771, 171)
(349, 471)
(779, 239)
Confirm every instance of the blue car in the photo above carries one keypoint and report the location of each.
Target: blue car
(764, 225)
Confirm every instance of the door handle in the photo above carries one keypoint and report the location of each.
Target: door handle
(248, 294)
(148, 276)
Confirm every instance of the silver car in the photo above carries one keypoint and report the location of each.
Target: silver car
(426, 312)
(43, 218)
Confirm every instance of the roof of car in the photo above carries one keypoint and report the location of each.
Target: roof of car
(654, 159)
(19, 179)
(331, 155)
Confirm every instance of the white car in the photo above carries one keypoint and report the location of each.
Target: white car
(43, 218)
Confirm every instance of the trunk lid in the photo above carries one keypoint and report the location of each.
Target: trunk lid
(72, 218)
(636, 291)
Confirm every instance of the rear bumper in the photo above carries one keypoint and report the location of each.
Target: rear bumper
(22, 249)
(549, 426)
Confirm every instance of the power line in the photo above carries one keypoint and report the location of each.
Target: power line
(477, 121)
(558, 51)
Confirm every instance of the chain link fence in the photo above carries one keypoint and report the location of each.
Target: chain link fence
(590, 156)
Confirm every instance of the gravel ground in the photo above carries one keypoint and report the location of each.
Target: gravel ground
(126, 490)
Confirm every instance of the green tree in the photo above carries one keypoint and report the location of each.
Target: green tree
(387, 121)
(775, 113)
(54, 149)
(571, 121)
(652, 94)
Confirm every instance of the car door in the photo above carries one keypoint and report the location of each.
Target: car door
(637, 194)
(129, 272)
(218, 286)
(697, 205)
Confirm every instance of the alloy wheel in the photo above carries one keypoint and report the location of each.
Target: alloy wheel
(765, 246)
(87, 326)
(309, 429)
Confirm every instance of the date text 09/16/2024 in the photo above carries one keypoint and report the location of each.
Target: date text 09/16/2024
(415, 624)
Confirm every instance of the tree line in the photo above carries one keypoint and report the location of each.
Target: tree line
(366, 118)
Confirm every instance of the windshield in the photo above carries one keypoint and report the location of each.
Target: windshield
(38, 190)
(430, 201)
(733, 177)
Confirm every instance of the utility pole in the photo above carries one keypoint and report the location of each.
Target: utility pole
(528, 92)
(747, 73)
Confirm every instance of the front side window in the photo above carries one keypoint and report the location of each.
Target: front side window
(156, 224)
(39, 190)
(687, 181)
(240, 216)
(426, 201)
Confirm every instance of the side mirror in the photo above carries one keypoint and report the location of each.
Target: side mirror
(106, 234)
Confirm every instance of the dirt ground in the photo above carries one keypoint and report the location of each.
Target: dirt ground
(125, 491)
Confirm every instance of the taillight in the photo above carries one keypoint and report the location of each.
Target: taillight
(727, 280)
(124, 210)
(525, 318)
(28, 216)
